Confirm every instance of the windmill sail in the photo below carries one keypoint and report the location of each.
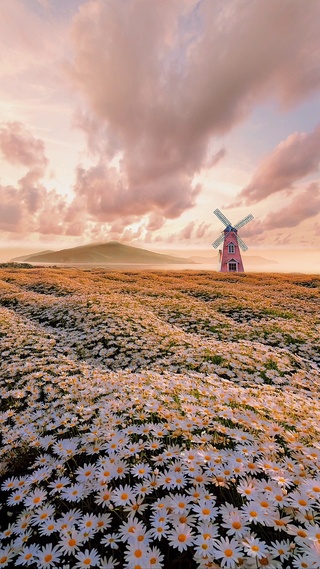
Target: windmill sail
(242, 244)
(244, 221)
(218, 241)
(222, 217)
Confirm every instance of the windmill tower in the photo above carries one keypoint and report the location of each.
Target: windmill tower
(230, 256)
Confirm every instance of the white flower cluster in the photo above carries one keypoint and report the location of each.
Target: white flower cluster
(177, 448)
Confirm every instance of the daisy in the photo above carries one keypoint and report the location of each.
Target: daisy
(103, 521)
(70, 542)
(88, 558)
(35, 499)
(136, 554)
(48, 556)
(110, 540)
(254, 547)
(228, 550)
(23, 522)
(155, 558)
(58, 484)
(8, 532)
(132, 528)
(73, 493)
(180, 503)
(85, 473)
(303, 562)
(42, 514)
(159, 530)
(9, 484)
(141, 470)
(281, 549)
(108, 563)
(120, 469)
(123, 495)
(253, 512)
(28, 555)
(180, 537)
(68, 520)
(88, 522)
(48, 527)
(6, 555)
(66, 447)
(300, 501)
(248, 488)
(103, 497)
(16, 497)
(135, 507)
(204, 510)
(236, 525)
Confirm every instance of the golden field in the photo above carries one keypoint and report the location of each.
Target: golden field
(159, 419)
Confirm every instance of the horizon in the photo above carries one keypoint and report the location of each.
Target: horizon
(281, 262)
(139, 139)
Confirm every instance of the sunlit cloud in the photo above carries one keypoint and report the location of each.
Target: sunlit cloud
(291, 160)
(133, 105)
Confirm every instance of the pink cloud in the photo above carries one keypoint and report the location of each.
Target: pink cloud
(20, 147)
(187, 231)
(161, 79)
(304, 206)
(105, 194)
(31, 209)
(291, 160)
(202, 230)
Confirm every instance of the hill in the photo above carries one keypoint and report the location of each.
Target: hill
(105, 253)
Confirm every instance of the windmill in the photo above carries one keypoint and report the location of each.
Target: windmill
(230, 256)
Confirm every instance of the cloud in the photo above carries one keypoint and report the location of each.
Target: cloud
(20, 147)
(303, 206)
(104, 193)
(161, 80)
(291, 160)
(31, 209)
(202, 229)
(187, 231)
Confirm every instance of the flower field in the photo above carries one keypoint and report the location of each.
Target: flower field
(159, 419)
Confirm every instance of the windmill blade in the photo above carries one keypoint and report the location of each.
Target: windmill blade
(218, 241)
(244, 221)
(222, 217)
(242, 244)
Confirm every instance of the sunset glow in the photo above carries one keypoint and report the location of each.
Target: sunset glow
(133, 120)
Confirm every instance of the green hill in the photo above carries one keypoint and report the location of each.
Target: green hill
(105, 253)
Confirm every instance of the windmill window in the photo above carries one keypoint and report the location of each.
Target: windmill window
(231, 248)
(232, 267)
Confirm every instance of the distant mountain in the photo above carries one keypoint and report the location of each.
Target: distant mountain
(105, 253)
(29, 257)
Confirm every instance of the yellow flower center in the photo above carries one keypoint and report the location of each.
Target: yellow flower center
(236, 525)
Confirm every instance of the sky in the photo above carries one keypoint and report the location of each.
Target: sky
(133, 120)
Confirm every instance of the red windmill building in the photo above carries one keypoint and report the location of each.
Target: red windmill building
(230, 256)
